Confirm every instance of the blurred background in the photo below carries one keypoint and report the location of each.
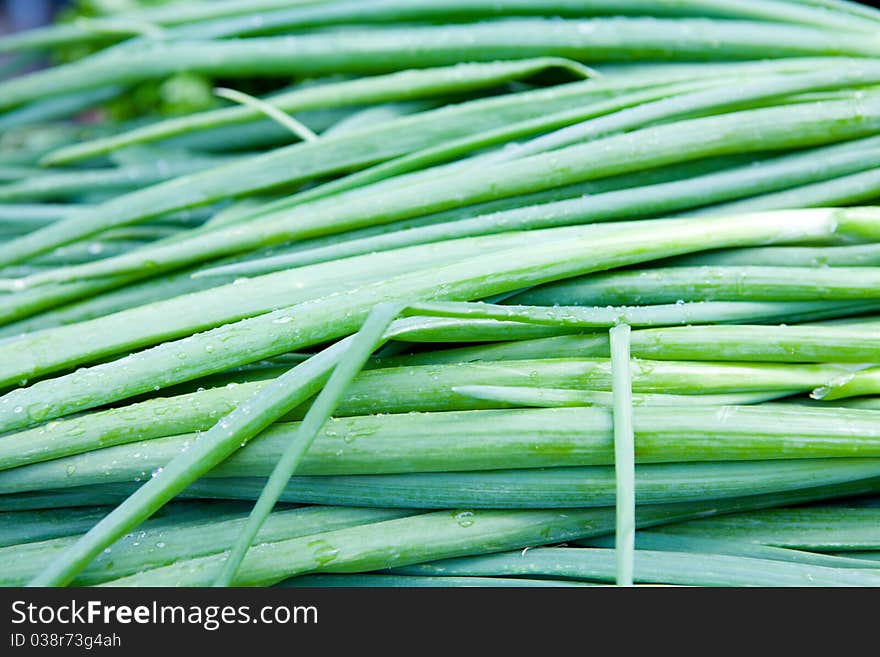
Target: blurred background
(180, 93)
(16, 15)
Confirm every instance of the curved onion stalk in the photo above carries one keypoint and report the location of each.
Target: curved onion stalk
(253, 137)
(405, 389)
(624, 454)
(445, 534)
(153, 545)
(635, 199)
(269, 110)
(825, 528)
(651, 566)
(457, 441)
(339, 314)
(760, 129)
(404, 85)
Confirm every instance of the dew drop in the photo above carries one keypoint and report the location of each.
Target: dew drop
(464, 518)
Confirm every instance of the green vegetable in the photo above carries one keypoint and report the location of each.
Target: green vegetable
(624, 454)
(452, 283)
(651, 566)
(402, 85)
(566, 252)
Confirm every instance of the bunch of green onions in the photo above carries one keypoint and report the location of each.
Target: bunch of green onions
(508, 293)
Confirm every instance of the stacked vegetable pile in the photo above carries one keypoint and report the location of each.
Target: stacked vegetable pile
(450, 281)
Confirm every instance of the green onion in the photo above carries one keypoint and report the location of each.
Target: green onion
(223, 438)
(404, 389)
(324, 319)
(776, 127)
(269, 110)
(651, 566)
(624, 454)
(809, 528)
(437, 535)
(402, 443)
(349, 581)
(383, 49)
(403, 85)
(157, 544)
(599, 205)
(365, 341)
(452, 283)
(659, 540)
